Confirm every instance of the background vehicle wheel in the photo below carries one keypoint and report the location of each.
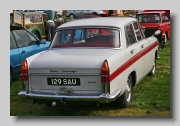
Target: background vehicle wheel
(72, 16)
(37, 35)
(94, 13)
(165, 38)
(124, 100)
(153, 71)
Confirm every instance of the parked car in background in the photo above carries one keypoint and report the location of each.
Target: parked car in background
(78, 13)
(53, 15)
(22, 45)
(84, 16)
(97, 60)
(151, 20)
(33, 21)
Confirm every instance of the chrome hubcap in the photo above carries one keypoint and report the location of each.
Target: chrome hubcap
(128, 91)
(71, 16)
(154, 68)
(165, 38)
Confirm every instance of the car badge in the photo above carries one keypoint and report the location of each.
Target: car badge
(73, 71)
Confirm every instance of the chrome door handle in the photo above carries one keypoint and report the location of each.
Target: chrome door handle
(132, 51)
(142, 46)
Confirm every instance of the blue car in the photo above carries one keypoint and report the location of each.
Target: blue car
(23, 44)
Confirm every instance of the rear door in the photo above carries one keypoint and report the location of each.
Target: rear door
(78, 13)
(166, 24)
(26, 43)
(15, 59)
(144, 44)
(135, 49)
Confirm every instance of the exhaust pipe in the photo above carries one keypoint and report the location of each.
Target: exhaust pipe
(54, 104)
(63, 101)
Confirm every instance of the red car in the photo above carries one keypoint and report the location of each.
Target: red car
(151, 20)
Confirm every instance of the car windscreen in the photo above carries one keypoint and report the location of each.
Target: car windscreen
(87, 37)
(148, 18)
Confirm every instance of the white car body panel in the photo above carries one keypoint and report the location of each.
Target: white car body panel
(85, 63)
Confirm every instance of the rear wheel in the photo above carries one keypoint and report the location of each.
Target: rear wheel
(165, 37)
(153, 71)
(72, 16)
(126, 98)
(94, 13)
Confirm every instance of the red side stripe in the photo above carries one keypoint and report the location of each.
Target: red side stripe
(132, 60)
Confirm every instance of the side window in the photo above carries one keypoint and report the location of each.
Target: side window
(18, 17)
(12, 42)
(138, 32)
(65, 36)
(33, 40)
(130, 34)
(33, 18)
(78, 35)
(21, 37)
(164, 18)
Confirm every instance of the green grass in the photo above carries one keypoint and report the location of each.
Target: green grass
(151, 97)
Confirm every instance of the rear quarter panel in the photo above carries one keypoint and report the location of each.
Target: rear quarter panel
(115, 62)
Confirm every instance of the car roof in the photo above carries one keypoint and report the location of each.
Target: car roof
(152, 12)
(16, 27)
(31, 13)
(100, 21)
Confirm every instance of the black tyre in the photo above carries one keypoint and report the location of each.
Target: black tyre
(153, 71)
(94, 13)
(72, 16)
(126, 98)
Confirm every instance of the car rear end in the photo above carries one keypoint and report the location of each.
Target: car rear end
(70, 72)
(70, 79)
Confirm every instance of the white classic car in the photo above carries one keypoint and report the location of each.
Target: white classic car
(97, 59)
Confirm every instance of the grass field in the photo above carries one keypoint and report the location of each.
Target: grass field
(151, 97)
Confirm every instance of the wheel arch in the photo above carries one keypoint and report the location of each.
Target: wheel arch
(95, 13)
(72, 14)
(133, 76)
(35, 30)
(156, 54)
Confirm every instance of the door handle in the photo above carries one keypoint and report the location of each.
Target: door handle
(132, 51)
(142, 46)
(23, 52)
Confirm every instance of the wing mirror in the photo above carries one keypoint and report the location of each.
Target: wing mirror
(42, 41)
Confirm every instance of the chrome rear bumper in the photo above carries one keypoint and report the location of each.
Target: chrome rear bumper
(103, 98)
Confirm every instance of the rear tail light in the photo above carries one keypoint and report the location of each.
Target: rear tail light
(24, 71)
(105, 72)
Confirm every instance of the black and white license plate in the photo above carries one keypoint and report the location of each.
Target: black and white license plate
(64, 81)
